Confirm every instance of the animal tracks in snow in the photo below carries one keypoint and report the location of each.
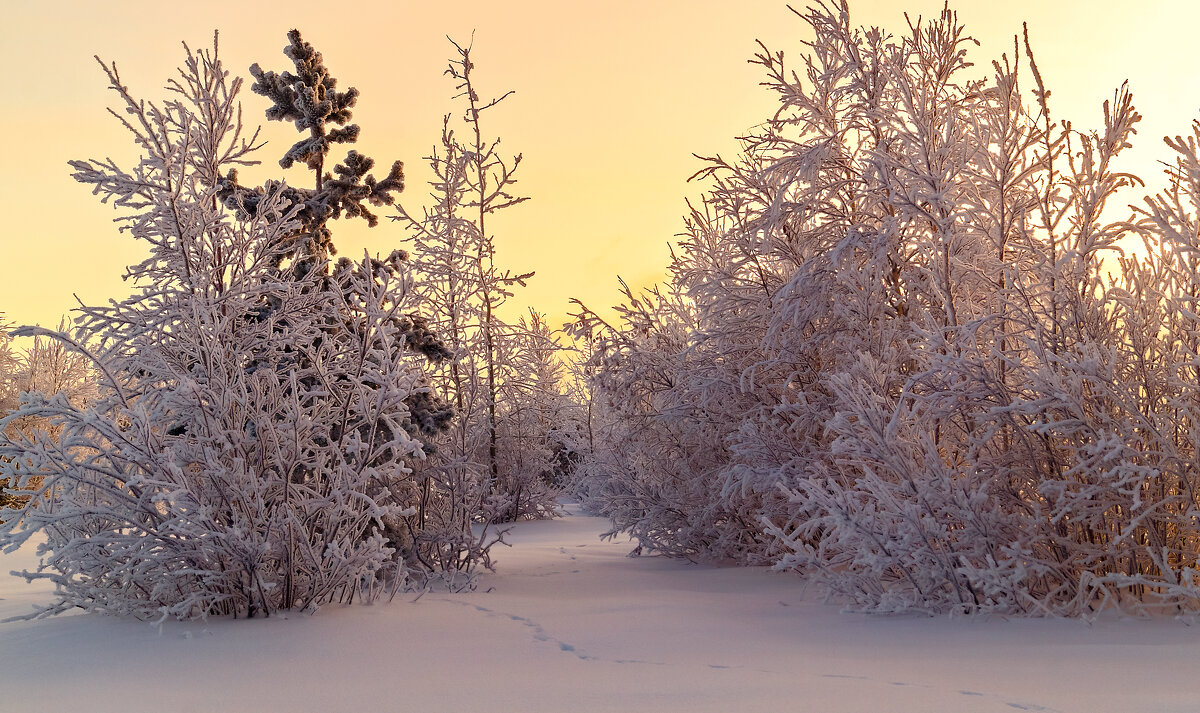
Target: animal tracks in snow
(1019, 705)
(540, 634)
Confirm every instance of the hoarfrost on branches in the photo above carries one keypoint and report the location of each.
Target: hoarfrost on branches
(504, 380)
(889, 355)
(250, 448)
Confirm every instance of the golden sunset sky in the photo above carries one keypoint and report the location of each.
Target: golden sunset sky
(612, 98)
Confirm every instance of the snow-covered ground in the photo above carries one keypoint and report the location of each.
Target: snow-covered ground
(569, 623)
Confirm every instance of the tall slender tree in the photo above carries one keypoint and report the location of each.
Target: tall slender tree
(463, 290)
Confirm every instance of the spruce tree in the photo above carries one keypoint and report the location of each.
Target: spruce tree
(309, 98)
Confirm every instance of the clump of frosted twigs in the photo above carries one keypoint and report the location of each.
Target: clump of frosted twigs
(902, 351)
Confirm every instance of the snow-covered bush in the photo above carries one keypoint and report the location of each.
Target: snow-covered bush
(660, 406)
(45, 366)
(250, 447)
(889, 355)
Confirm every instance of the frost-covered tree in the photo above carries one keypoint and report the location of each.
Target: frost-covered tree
(900, 352)
(654, 454)
(12, 367)
(251, 443)
(45, 366)
(51, 367)
(536, 419)
(462, 290)
(309, 98)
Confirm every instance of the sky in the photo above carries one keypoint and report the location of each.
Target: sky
(611, 101)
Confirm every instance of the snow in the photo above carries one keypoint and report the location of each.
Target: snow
(570, 623)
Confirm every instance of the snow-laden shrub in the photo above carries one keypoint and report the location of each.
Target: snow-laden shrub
(654, 467)
(250, 447)
(906, 358)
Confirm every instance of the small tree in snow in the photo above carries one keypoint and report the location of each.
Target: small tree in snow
(462, 290)
(249, 448)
